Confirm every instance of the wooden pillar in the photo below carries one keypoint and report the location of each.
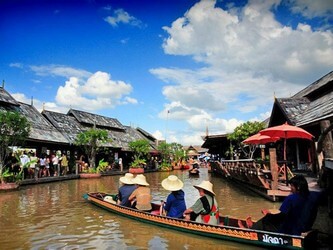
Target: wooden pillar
(327, 144)
(274, 168)
(263, 154)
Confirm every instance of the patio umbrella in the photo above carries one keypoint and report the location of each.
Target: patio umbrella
(260, 139)
(287, 131)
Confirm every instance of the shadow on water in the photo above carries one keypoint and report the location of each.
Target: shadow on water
(55, 216)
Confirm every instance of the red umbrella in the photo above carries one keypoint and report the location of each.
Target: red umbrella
(287, 131)
(260, 139)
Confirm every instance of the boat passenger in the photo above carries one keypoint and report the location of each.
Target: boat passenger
(141, 196)
(205, 209)
(296, 214)
(126, 189)
(175, 203)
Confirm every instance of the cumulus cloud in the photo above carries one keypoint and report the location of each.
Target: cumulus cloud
(82, 89)
(121, 16)
(99, 91)
(248, 56)
(251, 41)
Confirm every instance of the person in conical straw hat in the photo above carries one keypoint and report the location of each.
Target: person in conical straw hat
(126, 189)
(205, 209)
(141, 196)
(175, 203)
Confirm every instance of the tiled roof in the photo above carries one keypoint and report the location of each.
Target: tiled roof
(312, 104)
(66, 124)
(91, 119)
(41, 129)
(70, 127)
(293, 108)
(317, 110)
(6, 98)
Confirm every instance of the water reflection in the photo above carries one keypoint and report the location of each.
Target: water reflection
(55, 216)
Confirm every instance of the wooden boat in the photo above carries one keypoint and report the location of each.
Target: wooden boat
(228, 230)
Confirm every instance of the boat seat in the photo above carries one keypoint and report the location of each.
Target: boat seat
(155, 212)
(226, 221)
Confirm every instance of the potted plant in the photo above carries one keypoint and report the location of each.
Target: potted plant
(95, 172)
(140, 149)
(14, 129)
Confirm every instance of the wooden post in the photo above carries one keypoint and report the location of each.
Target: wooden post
(263, 154)
(76, 168)
(274, 168)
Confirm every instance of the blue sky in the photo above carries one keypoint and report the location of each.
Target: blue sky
(173, 68)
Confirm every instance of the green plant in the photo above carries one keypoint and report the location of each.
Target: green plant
(8, 176)
(177, 152)
(102, 166)
(241, 133)
(140, 149)
(20, 175)
(138, 163)
(14, 129)
(91, 141)
(165, 166)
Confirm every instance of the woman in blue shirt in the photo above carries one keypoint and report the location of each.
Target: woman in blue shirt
(126, 189)
(296, 214)
(175, 203)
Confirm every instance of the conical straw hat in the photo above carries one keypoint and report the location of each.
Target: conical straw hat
(172, 183)
(127, 179)
(206, 185)
(140, 179)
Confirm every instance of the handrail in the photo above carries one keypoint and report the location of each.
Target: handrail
(239, 160)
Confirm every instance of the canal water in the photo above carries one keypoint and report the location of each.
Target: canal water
(55, 216)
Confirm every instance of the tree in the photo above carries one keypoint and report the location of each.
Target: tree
(177, 151)
(91, 140)
(14, 129)
(140, 149)
(165, 151)
(241, 133)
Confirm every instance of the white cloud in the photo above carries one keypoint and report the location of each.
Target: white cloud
(310, 8)
(16, 65)
(253, 41)
(158, 135)
(249, 58)
(100, 84)
(121, 16)
(99, 91)
(83, 90)
(38, 104)
(59, 70)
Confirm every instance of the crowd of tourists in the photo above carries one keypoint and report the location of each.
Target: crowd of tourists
(295, 216)
(33, 166)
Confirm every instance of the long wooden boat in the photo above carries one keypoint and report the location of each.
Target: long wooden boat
(228, 230)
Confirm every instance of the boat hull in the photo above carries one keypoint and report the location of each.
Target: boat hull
(223, 232)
